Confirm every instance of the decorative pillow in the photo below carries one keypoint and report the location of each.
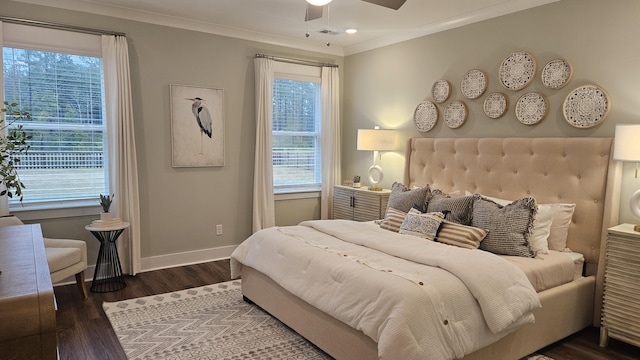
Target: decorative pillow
(424, 225)
(541, 225)
(402, 198)
(393, 219)
(509, 226)
(560, 226)
(457, 209)
(540, 239)
(463, 236)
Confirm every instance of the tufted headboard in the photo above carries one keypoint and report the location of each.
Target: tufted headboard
(552, 170)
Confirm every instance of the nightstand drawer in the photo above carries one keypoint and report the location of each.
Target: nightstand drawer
(621, 301)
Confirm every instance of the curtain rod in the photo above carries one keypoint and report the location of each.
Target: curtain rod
(59, 26)
(294, 61)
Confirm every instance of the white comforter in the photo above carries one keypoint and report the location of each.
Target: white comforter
(376, 281)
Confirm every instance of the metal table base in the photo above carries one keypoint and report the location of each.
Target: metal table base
(108, 274)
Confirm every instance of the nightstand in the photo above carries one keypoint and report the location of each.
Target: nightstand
(359, 204)
(621, 304)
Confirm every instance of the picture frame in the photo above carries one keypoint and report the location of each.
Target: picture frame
(197, 126)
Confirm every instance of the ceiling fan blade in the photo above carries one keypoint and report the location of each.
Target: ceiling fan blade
(313, 12)
(391, 4)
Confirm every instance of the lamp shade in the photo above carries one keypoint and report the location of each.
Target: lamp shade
(319, 2)
(627, 143)
(376, 140)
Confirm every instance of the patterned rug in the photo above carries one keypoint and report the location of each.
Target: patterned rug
(209, 322)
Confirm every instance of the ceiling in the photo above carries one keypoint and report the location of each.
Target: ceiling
(281, 22)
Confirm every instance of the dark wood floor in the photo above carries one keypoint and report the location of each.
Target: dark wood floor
(84, 331)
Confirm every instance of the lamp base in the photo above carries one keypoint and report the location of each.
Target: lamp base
(375, 176)
(634, 206)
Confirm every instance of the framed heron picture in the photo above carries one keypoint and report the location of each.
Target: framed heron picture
(197, 126)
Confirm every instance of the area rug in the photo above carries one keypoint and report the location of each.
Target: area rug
(208, 322)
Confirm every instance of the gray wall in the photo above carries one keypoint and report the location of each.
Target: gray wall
(599, 38)
(180, 206)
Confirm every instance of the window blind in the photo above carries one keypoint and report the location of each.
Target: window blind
(296, 134)
(63, 93)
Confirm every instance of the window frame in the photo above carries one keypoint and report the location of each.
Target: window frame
(67, 42)
(305, 73)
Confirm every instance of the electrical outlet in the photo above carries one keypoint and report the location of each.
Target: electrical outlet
(219, 229)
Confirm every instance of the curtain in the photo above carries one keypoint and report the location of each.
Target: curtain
(4, 200)
(263, 199)
(121, 154)
(330, 138)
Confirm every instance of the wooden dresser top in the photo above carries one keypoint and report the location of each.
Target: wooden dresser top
(26, 294)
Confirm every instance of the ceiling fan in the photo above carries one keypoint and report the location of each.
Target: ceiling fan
(316, 7)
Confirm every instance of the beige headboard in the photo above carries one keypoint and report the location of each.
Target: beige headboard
(552, 170)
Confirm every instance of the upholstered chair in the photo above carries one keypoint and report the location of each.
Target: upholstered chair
(65, 257)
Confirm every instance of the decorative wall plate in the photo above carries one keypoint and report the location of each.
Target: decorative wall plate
(531, 108)
(556, 74)
(495, 105)
(455, 114)
(440, 91)
(586, 106)
(425, 116)
(474, 83)
(517, 70)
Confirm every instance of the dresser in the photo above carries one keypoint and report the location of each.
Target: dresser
(359, 204)
(621, 303)
(27, 305)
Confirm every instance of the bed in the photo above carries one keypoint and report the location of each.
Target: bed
(551, 170)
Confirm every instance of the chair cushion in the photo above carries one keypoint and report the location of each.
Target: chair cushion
(60, 258)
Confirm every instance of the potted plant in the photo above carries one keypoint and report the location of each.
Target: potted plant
(356, 181)
(105, 202)
(12, 146)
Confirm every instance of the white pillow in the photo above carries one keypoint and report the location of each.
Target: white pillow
(550, 225)
(560, 226)
(542, 228)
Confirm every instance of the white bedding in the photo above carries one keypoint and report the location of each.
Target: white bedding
(465, 300)
(548, 270)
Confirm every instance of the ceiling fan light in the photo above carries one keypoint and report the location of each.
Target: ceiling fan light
(319, 2)
(351, 30)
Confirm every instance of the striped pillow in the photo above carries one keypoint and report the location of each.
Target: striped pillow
(463, 236)
(393, 219)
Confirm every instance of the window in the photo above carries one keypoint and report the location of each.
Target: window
(63, 91)
(296, 131)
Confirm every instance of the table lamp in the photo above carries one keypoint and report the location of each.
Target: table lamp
(376, 140)
(627, 148)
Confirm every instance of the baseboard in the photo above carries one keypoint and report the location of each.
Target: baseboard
(186, 258)
(168, 261)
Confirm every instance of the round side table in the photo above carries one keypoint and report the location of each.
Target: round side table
(108, 273)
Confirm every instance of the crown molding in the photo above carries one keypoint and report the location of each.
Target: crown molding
(187, 24)
(503, 8)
